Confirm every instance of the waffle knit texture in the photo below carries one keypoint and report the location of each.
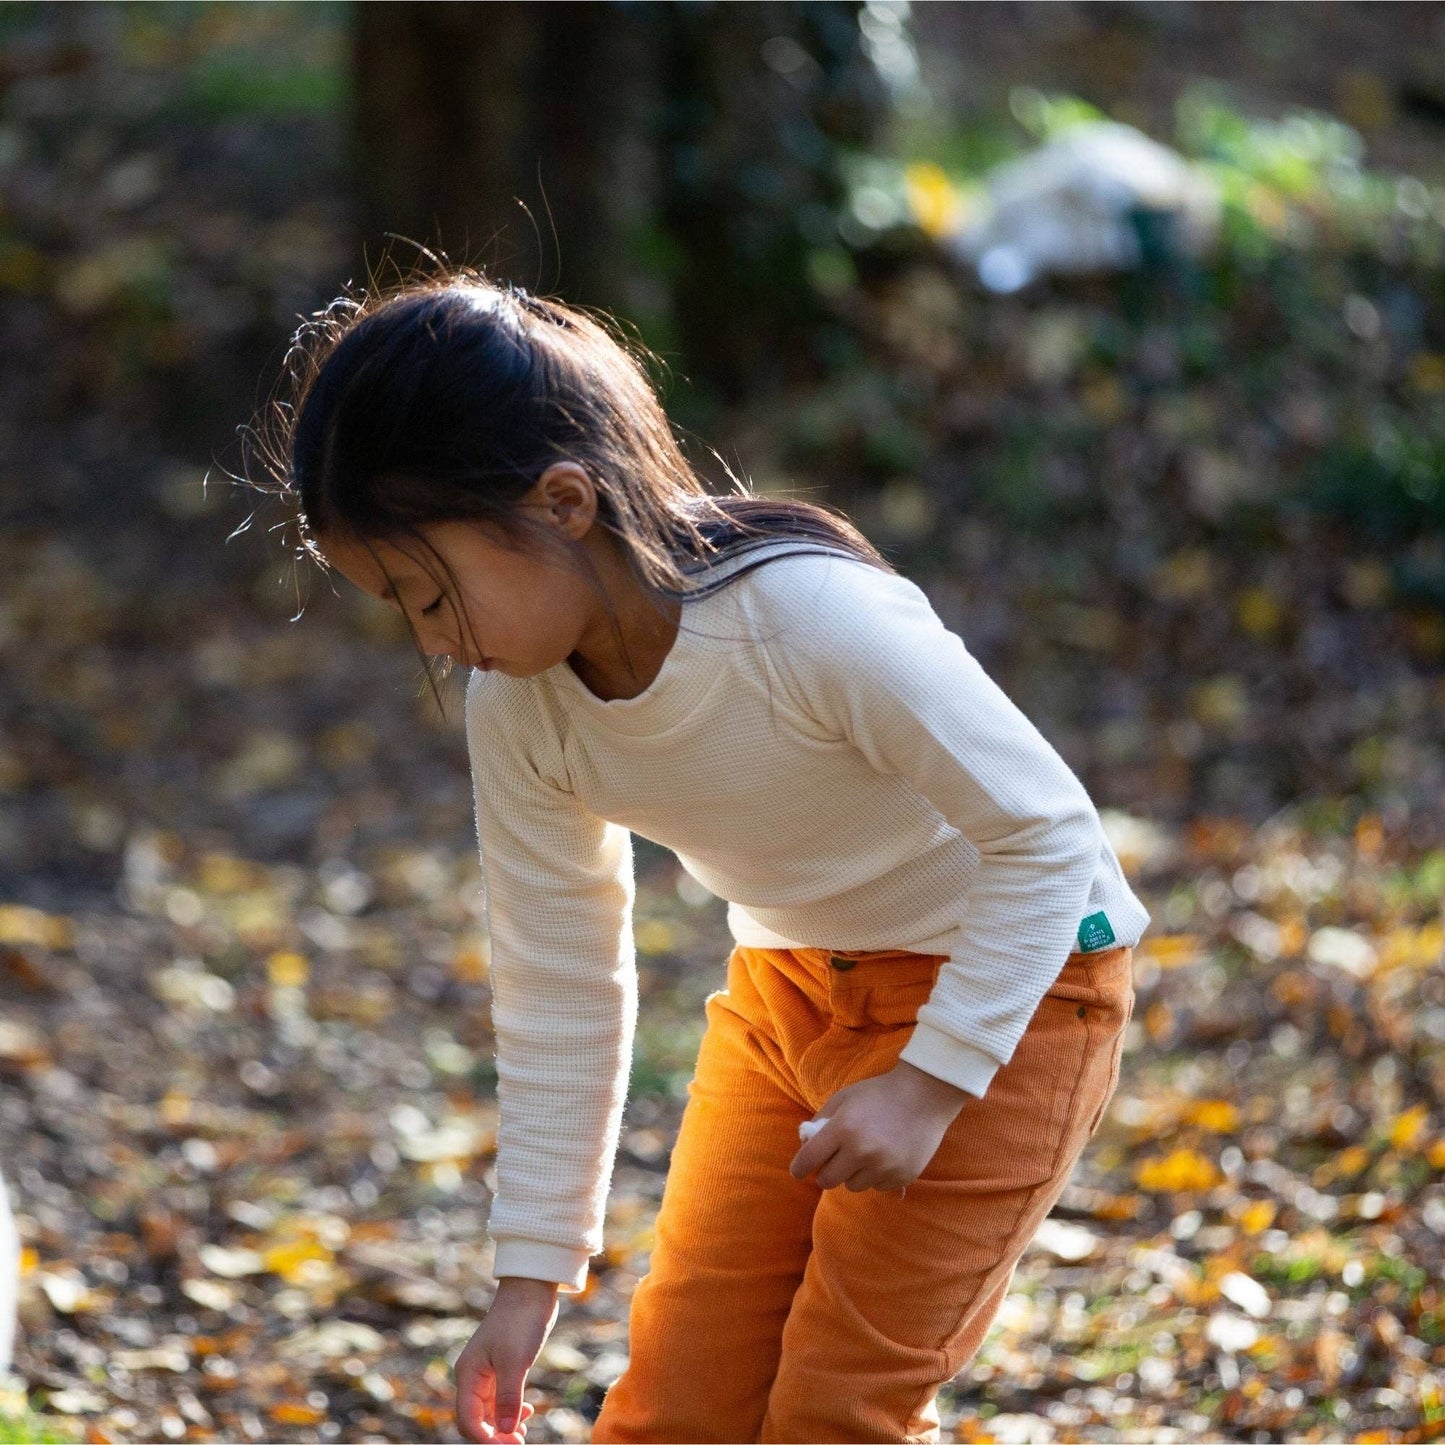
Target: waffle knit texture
(818, 750)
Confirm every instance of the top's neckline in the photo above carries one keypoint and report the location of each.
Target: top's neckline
(683, 679)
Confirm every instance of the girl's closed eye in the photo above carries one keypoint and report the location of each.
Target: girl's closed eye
(432, 607)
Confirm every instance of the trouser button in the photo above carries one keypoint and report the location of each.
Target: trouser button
(842, 964)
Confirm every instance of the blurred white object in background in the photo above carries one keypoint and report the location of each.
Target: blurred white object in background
(9, 1278)
(1098, 197)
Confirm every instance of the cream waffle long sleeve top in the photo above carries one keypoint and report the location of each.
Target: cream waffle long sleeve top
(818, 750)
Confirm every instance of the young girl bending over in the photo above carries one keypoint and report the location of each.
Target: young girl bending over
(933, 936)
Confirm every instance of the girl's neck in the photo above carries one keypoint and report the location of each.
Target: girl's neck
(623, 649)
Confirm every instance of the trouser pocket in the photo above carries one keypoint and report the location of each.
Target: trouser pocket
(1100, 989)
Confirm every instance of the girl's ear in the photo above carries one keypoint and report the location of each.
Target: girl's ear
(569, 497)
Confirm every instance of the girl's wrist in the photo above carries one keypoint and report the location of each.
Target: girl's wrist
(935, 1092)
(520, 1286)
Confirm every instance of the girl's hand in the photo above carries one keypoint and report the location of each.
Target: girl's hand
(880, 1133)
(492, 1369)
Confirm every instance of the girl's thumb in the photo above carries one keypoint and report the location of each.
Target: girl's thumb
(509, 1406)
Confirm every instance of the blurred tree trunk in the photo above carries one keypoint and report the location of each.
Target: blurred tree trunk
(465, 109)
(684, 155)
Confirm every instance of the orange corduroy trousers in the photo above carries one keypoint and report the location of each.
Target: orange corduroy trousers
(774, 1310)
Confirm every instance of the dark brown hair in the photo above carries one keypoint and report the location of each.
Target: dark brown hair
(445, 398)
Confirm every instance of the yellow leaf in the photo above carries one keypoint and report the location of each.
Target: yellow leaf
(1183, 575)
(175, 1108)
(1292, 986)
(933, 201)
(442, 1174)
(1430, 943)
(1407, 1128)
(1407, 947)
(294, 1412)
(1435, 1155)
(289, 1259)
(20, 925)
(1352, 1161)
(470, 965)
(287, 970)
(29, 1260)
(346, 743)
(1158, 1020)
(1116, 1206)
(656, 935)
(21, 1045)
(257, 919)
(1370, 836)
(221, 873)
(1171, 950)
(1258, 1215)
(1258, 612)
(973, 1432)
(1293, 935)
(1219, 1116)
(1182, 1172)
(1219, 702)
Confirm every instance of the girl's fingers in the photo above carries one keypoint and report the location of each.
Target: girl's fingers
(822, 1147)
(476, 1398)
(840, 1168)
(511, 1409)
(519, 1435)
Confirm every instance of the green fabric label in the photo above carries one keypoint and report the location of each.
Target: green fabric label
(1095, 932)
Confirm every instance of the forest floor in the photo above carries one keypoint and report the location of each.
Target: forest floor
(248, 1113)
(246, 1091)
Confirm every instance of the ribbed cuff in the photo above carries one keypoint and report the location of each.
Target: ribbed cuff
(959, 1064)
(531, 1259)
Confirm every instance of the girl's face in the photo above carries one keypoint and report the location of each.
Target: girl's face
(517, 611)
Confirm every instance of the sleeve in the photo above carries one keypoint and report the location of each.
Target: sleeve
(869, 659)
(559, 893)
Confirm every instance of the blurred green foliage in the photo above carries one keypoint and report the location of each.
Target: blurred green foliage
(247, 61)
(32, 1429)
(1298, 366)
(1298, 363)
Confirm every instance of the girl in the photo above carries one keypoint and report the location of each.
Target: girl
(933, 937)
